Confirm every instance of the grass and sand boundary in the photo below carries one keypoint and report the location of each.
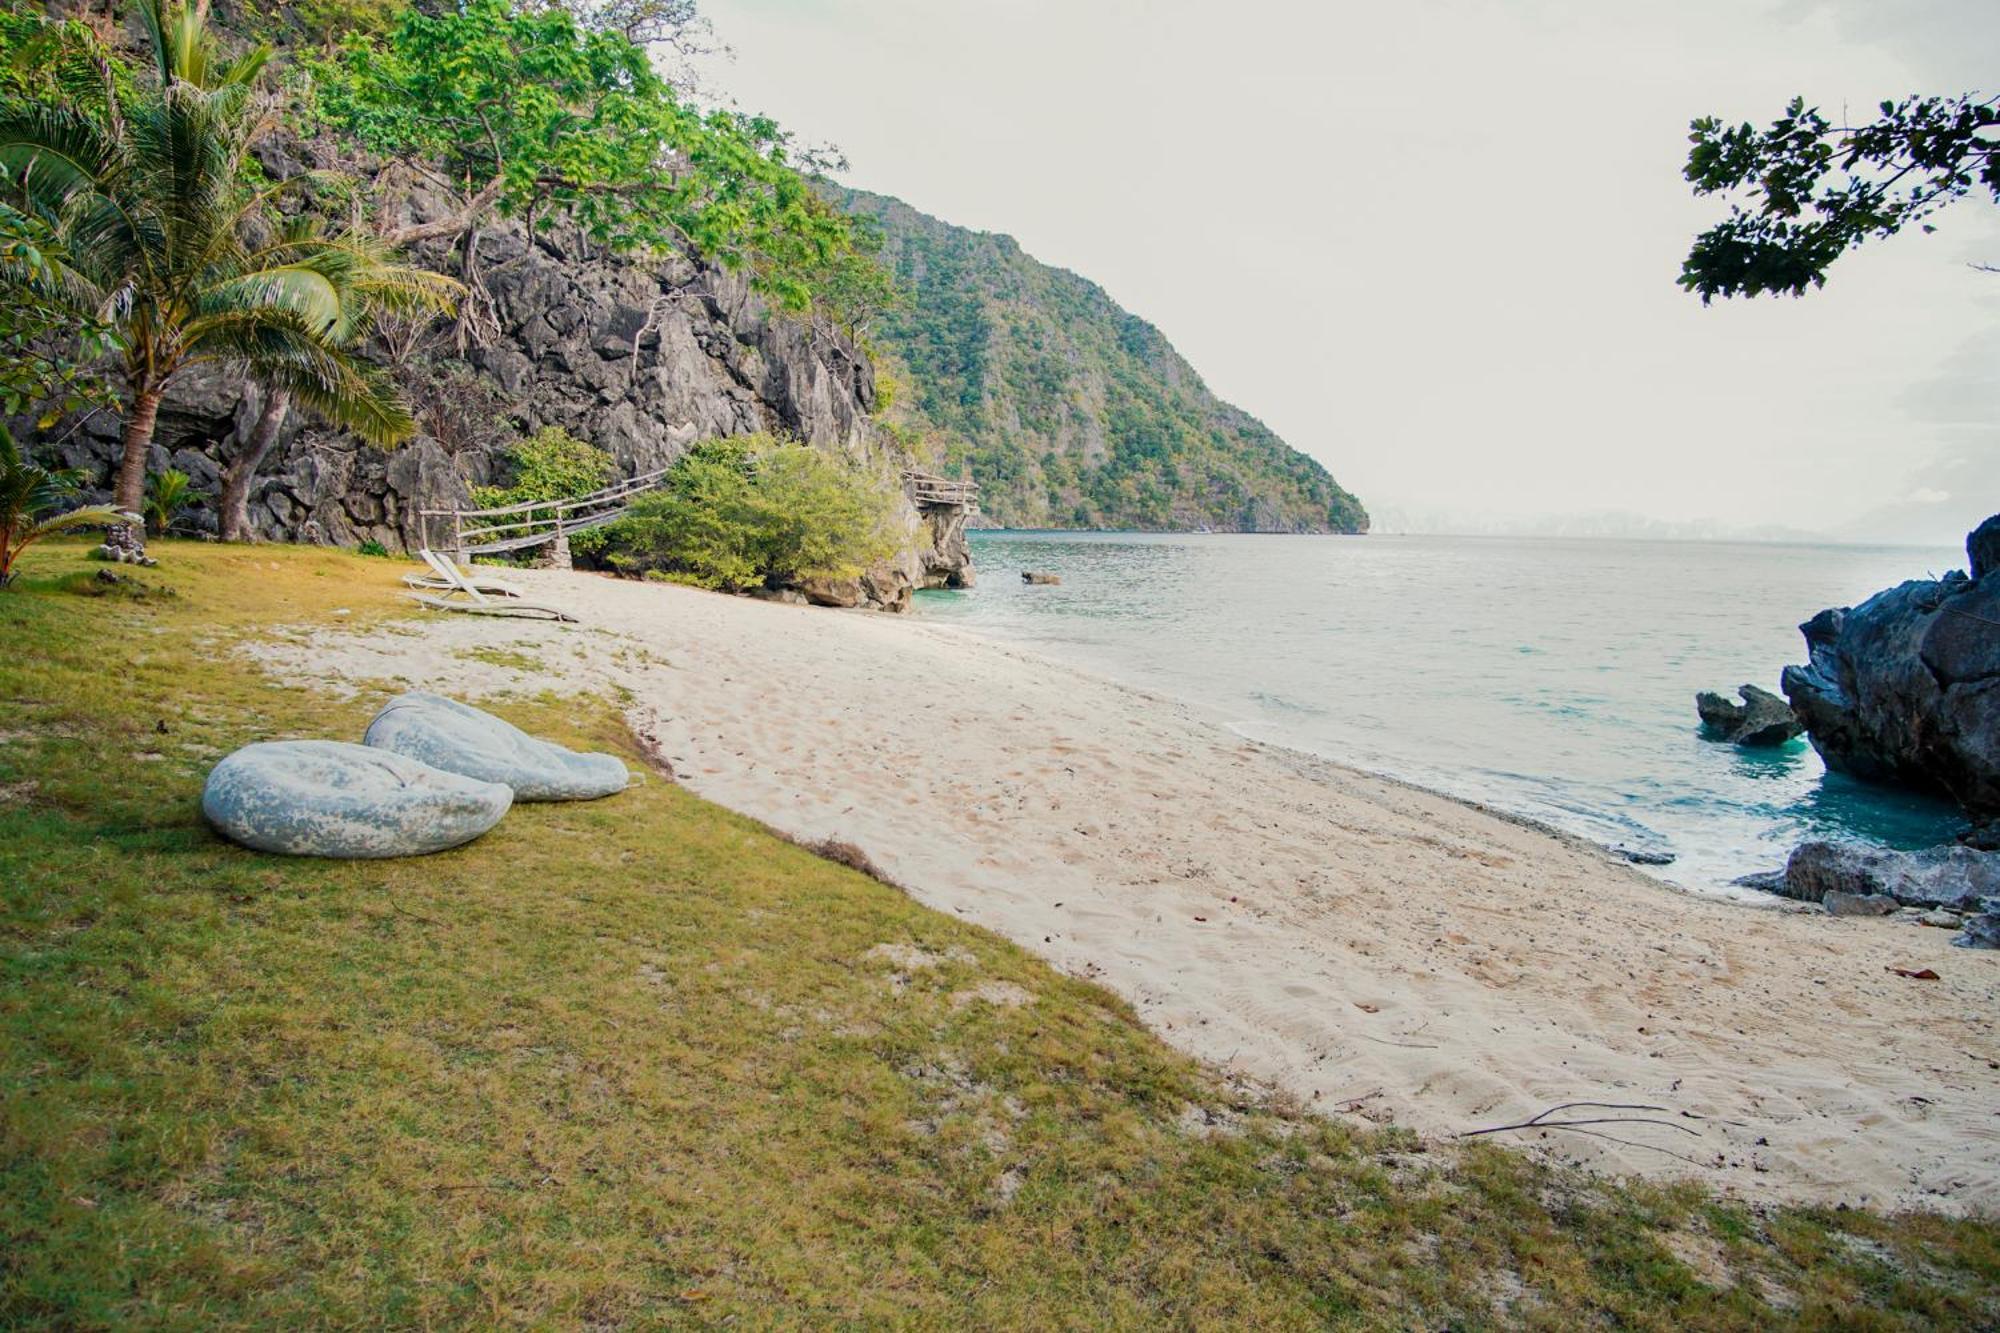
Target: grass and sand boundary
(644, 1061)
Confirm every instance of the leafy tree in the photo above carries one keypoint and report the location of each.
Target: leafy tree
(741, 513)
(1811, 190)
(32, 505)
(541, 117)
(51, 353)
(160, 210)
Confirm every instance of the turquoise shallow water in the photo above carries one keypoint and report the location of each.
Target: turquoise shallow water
(1553, 679)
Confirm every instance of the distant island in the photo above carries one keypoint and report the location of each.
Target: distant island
(1070, 410)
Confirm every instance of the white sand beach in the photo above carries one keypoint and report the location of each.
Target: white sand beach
(1375, 950)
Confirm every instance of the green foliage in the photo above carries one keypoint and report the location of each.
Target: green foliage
(34, 504)
(371, 547)
(551, 464)
(752, 511)
(549, 118)
(1069, 411)
(1811, 190)
(163, 220)
(166, 495)
(333, 21)
(51, 352)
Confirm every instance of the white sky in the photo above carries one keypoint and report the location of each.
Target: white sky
(1433, 242)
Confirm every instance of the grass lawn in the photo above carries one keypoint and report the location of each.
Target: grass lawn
(641, 1062)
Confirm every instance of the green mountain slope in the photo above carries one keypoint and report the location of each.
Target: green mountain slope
(1069, 410)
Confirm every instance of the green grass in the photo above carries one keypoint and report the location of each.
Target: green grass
(641, 1062)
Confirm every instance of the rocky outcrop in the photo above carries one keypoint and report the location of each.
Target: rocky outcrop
(1953, 878)
(1762, 719)
(1905, 688)
(640, 359)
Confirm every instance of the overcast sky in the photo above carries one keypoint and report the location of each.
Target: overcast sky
(1433, 242)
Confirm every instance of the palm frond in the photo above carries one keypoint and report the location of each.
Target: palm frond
(89, 516)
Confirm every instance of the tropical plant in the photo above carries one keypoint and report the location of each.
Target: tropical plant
(166, 495)
(739, 513)
(544, 118)
(163, 214)
(551, 464)
(1811, 190)
(32, 500)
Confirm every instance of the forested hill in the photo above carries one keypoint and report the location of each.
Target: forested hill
(1070, 411)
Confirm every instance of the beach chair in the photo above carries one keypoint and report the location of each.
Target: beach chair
(446, 577)
(477, 602)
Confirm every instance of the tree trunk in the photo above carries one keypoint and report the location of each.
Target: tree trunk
(242, 469)
(130, 492)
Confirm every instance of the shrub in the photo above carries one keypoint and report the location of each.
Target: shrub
(166, 495)
(736, 514)
(371, 547)
(551, 464)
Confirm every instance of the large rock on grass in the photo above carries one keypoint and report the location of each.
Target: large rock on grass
(1905, 688)
(461, 739)
(350, 802)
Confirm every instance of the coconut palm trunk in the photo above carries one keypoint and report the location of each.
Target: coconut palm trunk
(130, 491)
(242, 469)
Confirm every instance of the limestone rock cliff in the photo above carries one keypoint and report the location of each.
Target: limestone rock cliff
(1905, 687)
(639, 358)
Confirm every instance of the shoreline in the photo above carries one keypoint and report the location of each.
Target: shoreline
(1367, 946)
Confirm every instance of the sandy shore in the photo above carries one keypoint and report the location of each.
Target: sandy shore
(1375, 950)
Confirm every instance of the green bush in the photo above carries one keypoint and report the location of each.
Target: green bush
(737, 514)
(551, 464)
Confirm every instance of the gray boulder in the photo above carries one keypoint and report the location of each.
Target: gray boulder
(1955, 878)
(1762, 719)
(1837, 903)
(1905, 688)
(1981, 931)
(460, 739)
(352, 802)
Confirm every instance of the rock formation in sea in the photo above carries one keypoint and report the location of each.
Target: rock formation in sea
(1762, 719)
(1905, 687)
(641, 359)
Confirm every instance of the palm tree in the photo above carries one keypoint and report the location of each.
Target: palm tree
(31, 501)
(165, 241)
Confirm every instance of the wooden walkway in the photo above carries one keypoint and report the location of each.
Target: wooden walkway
(517, 527)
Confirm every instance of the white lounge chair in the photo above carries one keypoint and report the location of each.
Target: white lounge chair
(446, 577)
(477, 602)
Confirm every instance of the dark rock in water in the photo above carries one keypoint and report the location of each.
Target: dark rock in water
(1640, 856)
(1950, 877)
(1982, 548)
(1905, 688)
(1761, 719)
(1770, 881)
(1837, 903)
(1029, 576)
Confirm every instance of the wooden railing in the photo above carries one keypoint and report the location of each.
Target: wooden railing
(538, 522)
(926, 488)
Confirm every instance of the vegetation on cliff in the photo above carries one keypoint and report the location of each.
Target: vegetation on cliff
(151, 204)
(1069, 410)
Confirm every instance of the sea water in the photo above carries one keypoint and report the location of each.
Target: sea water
(1553, 679)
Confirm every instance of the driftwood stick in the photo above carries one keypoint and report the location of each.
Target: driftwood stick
(1541, 1120)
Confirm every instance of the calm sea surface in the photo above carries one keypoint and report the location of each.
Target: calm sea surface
(1553, 679)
